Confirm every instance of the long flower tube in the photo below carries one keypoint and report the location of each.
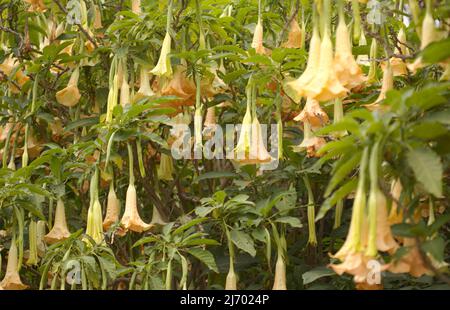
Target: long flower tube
(94, 227)
(312, 237)
(59, 231)
(12, 281)
(231, 280)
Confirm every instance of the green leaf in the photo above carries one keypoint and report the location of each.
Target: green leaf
(435, 247)
(243, 241)
(427, 167)
(84, 122)
(205, 257)
(292, 221)
(316, 273)
(188, 225)
(339, 194)
(215, 175)
(428, 130)
(436, 51)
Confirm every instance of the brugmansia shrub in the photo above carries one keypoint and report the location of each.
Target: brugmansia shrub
(118, 171)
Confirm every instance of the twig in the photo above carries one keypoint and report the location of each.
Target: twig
(84, 31)
(288, 22)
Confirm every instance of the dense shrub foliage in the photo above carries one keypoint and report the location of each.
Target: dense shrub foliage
(118, 170)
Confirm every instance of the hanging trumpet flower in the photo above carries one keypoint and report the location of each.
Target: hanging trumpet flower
(136, 7)
(157, 219)
(112, 208)
(429, 35)
(32, 238)
(231, 280)
(164, 67)
(144, 89)
(347, 70)
(258, 35)
(59, 230)
(325, 84)
(12, 281)
(386, 85)
(165, 170)
(295, 35)
(311, 143)
(372, 75)
(279, 282)
(70, 95)
(10, 66)
(354, 261)
(115, 78)
(313, 114)
(250, 148)
(94, 227)
(131, 219)
(363, 59)
(398, 65)
(36, 5)
(97, 17)
(124, 87)
(298, 86)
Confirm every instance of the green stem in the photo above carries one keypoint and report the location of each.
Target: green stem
(312, 238)
(130, 163)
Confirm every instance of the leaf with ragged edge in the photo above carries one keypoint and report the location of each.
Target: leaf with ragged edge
(428, 170)
(243, 241)
(205, 257)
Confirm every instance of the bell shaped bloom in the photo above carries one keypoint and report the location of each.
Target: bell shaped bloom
(363, 59)
(131, 219)
(297, 86)
(354, 241)
(181, 87)
(295, 35)
(12, 281)
(395, 215)
(398, 65)
(257, 42)
(358, 265)
(70, 95)
(372, 75)
(112, 208)
(313, 114)
(210, 119)
(8, 67)
(258, 153)
(36, 5)
(347, 70)
(144, 88)
(386, 85)
(97, 17)
(279, 282)
(411, 262)
(124, 92)
(94, 227)
(157, 218)
(381, 239)
(40, 233)
(165, 170)
(429, 35)
(231, 281)
(32, 241)
(242, 149)
(310, 143)
(59, 230)
(136, 7)
(164, 67)
(325, 84)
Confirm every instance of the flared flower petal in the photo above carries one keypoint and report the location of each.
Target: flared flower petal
(325, 84)
(12, 281)
(294, 36)
(313, 114)
(347, 70)
(70, 95)
(131, 219)
(59, 230)
(164, 67)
